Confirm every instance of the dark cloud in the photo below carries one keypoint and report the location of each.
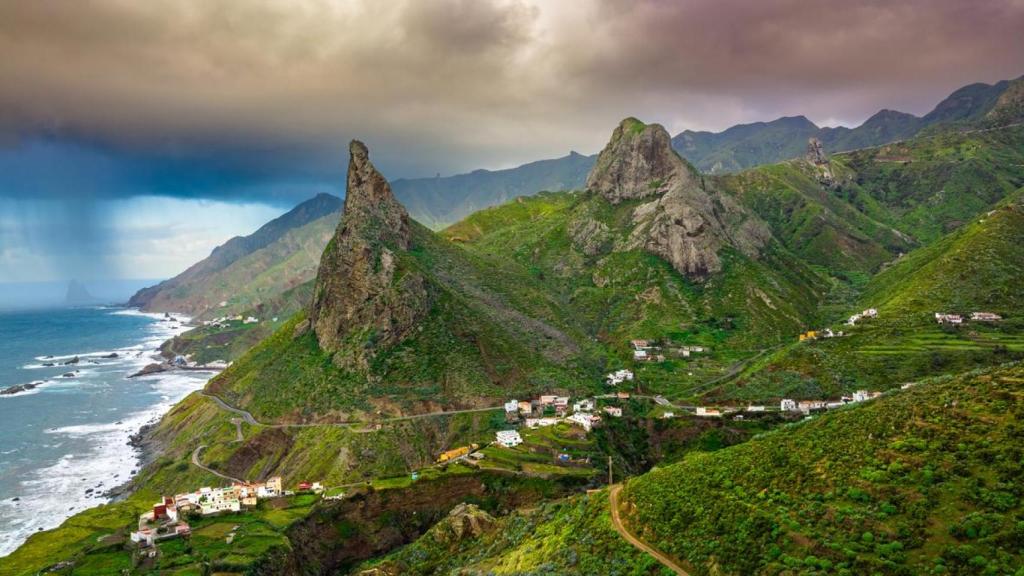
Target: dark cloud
(221, 97)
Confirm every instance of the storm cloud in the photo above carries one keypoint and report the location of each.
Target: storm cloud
(237, 94)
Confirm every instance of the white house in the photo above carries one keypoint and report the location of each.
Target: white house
(613, 411)
(508, 438)
(640, 355)
(585, 405)
(540, 422)
(806, 406)
(587, 421)
(705, 411)
(942, 318)
(667, 415)
(618, 377)
(788, 405)
(512, 406)
(985, 317)
(861, 396)
(250, 320)
(753, 408)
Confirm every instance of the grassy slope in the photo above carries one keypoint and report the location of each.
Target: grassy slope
(256, 278)
(931, 185)
(482, 340)
(977, 267)
(574, 536)
(821, 225)
(208, 343)
(631, 294)
(928, 477)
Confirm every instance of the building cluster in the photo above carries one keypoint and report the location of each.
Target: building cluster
(869, 313)
(167, 518)
(548, 410)
(957, 319)
(618, 377)
(646, 351)
(223, 321)
(808, 406)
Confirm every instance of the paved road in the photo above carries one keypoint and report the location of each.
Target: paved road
(613, 500)
(198, 464)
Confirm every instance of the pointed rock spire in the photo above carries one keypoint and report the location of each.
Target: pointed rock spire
(361, 303)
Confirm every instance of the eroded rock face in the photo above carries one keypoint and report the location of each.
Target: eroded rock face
(589, 236)
(684, 223)
(464, 521)
(361, 302)
(638, 162)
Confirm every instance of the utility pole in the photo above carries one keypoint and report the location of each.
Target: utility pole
(609, 470)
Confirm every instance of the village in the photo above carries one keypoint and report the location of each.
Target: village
(167, 519)
(943, 318)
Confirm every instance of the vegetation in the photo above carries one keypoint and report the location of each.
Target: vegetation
(923, 481)
(573, 536)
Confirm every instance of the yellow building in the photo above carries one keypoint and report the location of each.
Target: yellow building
(456, 453)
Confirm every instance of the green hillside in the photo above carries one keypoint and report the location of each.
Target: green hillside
(925, 481)
(931, 185)
(252, 271)
(974, 269)
(491, 331)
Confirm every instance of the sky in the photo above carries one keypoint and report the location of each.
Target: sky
(135, 136)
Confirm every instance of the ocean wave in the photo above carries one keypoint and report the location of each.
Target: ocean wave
(79, 480)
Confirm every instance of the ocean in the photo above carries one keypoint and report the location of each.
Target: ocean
(64, 443)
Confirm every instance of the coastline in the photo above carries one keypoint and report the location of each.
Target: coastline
(113, 444)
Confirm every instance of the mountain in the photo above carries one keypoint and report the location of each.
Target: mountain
(438, 202)
(403, 321)
(248, 270)
(966, 104)
(441, 201)
(746, 145)
(78, 295)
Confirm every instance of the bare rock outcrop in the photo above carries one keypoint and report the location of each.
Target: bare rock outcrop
(683, 222)
(819, 159)
(638, 162)
(364, 300)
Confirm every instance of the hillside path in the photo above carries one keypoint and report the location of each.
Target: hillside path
(613, 501)
(250, 419)
(198, 464)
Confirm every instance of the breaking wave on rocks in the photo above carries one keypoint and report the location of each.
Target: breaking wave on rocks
(77, 447)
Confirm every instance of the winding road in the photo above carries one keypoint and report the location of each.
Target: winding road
(198, 464)
(250, 419)
(613, 501)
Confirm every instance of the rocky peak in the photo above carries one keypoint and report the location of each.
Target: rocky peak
(361, 303)
(682, 221)
(816, 152)
(638, 162)
(371, 209)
